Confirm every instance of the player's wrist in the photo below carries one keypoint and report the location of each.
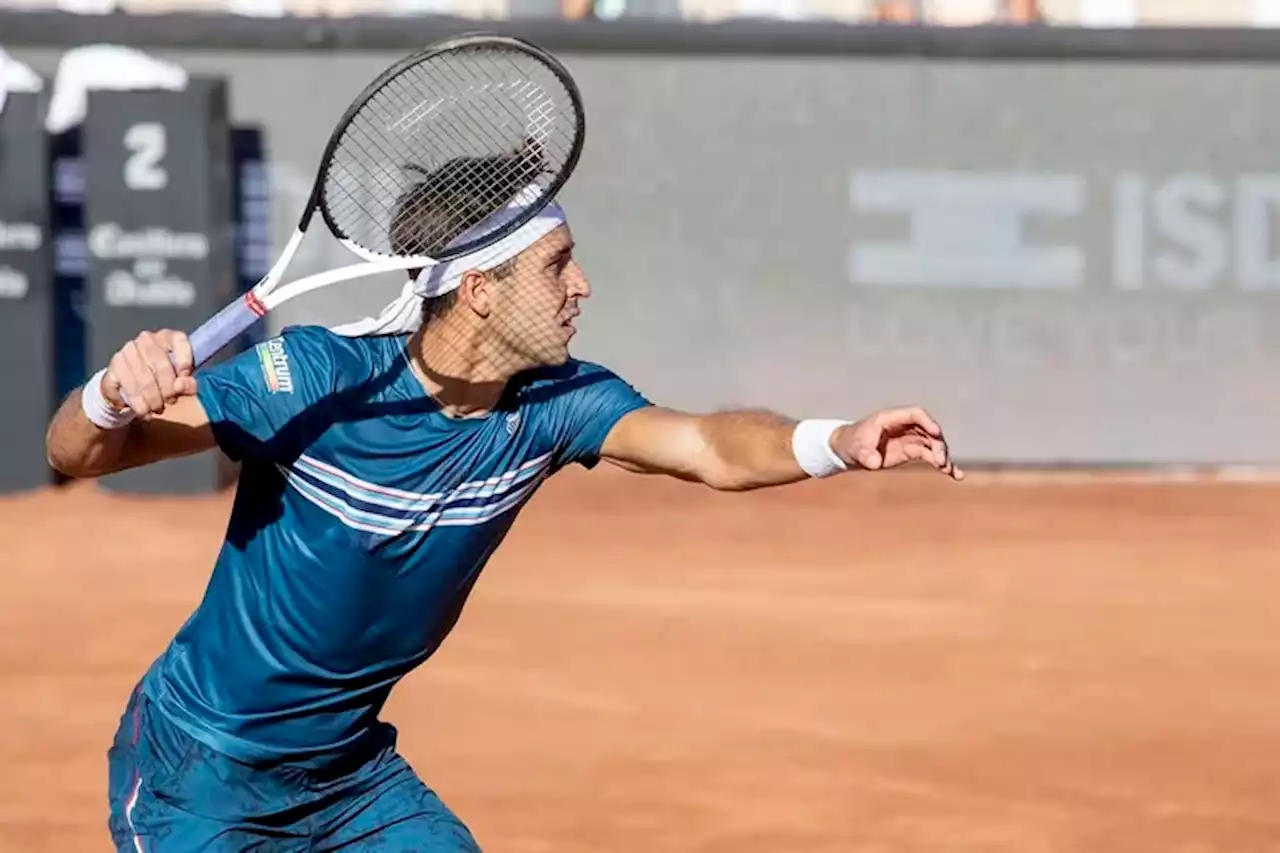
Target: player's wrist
(811, 445)
(100, 411)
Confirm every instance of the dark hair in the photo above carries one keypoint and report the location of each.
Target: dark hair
(457, 196)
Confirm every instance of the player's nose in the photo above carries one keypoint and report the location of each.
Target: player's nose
(578, 285)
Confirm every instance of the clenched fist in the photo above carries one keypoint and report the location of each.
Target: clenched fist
(895, 437)
(150, 372)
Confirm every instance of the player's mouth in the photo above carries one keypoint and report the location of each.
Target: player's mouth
(567, 322)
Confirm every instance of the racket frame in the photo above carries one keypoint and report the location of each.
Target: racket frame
(451, 45)
(241, 314)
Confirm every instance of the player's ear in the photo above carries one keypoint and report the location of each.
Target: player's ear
(476, 292)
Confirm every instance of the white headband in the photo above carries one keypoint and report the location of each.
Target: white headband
(404, 314)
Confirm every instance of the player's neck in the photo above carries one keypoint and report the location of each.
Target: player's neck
(457, 370)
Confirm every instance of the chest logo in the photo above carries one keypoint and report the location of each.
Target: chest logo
(513, 423)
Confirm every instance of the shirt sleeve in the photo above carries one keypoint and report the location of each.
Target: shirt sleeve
(597, 399)
(272, 400)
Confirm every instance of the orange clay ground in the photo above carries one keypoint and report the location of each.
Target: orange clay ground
(876, 664)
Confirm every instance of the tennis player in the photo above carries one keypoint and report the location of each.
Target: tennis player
(382, 464)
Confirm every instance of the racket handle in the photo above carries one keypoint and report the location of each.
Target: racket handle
(225, 326)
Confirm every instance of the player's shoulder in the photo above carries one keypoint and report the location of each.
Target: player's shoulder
(309, 362)
(574, 373)
(339, 356)
(575, 379)
(311, 340)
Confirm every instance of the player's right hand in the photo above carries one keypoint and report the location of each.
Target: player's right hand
(143, 377)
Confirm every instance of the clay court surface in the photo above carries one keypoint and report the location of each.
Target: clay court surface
(887, 664)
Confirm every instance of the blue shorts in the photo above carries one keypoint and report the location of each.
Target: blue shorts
(173, 794)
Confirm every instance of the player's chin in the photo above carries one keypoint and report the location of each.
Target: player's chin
(555, 351)
(556, 358)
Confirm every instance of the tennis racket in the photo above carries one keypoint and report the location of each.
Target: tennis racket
(494, 113)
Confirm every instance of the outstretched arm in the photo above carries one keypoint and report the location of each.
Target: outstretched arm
(751, 449)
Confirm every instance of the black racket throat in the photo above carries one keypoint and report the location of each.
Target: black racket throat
(439, 142)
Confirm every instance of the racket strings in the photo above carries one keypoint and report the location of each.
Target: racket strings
(445, 144)
(479, 85)
(459, 142)
(480, 180)
(458, 211)
(533, 115)
(475, 181)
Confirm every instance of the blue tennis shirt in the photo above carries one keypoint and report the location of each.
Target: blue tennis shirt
(362, 519)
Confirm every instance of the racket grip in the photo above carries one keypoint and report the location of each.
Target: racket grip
(225, 326)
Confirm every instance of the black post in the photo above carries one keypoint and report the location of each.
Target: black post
(160, 235)
(27, 376)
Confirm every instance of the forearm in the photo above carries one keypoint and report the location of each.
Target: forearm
(730, 451)
(78, 448)
(749, 449)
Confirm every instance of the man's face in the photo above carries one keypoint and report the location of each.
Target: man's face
(535, 306)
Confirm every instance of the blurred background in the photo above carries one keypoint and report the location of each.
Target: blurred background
(1125, 13)
(1054, 223)
(1052, 220)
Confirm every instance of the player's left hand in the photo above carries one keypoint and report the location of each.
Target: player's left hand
(892, 438)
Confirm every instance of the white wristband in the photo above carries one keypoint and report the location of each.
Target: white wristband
(811, 444)
(98, 410)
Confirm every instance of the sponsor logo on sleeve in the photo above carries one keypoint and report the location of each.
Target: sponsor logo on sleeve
(275, 366)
